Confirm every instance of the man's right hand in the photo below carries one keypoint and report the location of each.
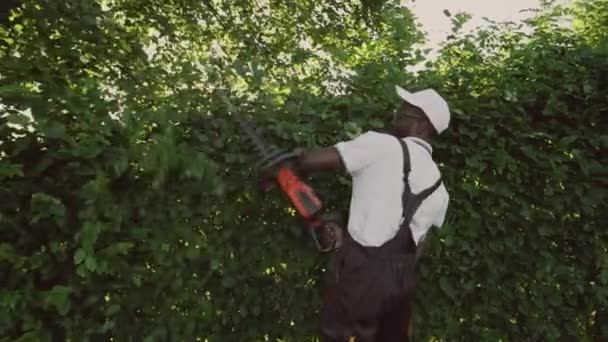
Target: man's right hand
(331, 234)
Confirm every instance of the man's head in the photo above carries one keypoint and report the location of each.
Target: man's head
(423, 114)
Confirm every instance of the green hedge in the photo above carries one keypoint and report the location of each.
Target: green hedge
(129, 208)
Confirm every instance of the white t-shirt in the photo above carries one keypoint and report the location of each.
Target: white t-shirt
(375, 162)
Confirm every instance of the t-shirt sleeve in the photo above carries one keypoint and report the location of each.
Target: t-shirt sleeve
(443, 208)
(359, 152)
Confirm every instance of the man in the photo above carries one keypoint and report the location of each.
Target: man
(372, 282)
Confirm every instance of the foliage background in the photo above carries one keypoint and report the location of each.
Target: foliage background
(129, 209)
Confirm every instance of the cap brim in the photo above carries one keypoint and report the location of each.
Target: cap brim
(406, 96)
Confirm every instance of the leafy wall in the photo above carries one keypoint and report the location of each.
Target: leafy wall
(128, 204)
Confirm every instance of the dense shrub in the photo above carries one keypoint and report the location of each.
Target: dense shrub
(128, 202)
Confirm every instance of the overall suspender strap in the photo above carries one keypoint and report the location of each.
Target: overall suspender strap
(411, 201)
(406, 157)
(407, 192)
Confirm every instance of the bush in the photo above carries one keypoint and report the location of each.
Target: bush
(129, 208)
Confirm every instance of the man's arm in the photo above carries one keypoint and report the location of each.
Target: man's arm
(439, 220)
(349, 156)
(320, 159)
(306, 162)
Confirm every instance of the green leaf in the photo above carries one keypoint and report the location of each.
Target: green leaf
(193, 253)
(457, 111)
(79, 256)
(11, 90)
(447, 287)
(44, 206)
(9, 170)
(376, 123)
(529, 152)
(119, 248)
(37, 335)
(109, 123)
(53, 130)
(7, 252)
(500, 160)
(81, 270)
(89, 234)
(228, 282)
(136, 278)
(58, 297)
(88, 20)
(112, 309)
(31, 323)
(584, 165)
(215, 264)
(90, 263)
(566, 141)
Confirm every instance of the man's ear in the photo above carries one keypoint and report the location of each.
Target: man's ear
(427, 130)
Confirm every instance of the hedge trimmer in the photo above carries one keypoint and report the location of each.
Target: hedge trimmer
(276, 165)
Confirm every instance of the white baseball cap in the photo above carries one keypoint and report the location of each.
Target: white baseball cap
(431, 103)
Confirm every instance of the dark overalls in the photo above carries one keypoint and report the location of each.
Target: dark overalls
(371, 289)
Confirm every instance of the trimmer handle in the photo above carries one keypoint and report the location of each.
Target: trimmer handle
(328, 231)
(268, 178)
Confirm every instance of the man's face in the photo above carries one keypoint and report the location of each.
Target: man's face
(407, 117)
